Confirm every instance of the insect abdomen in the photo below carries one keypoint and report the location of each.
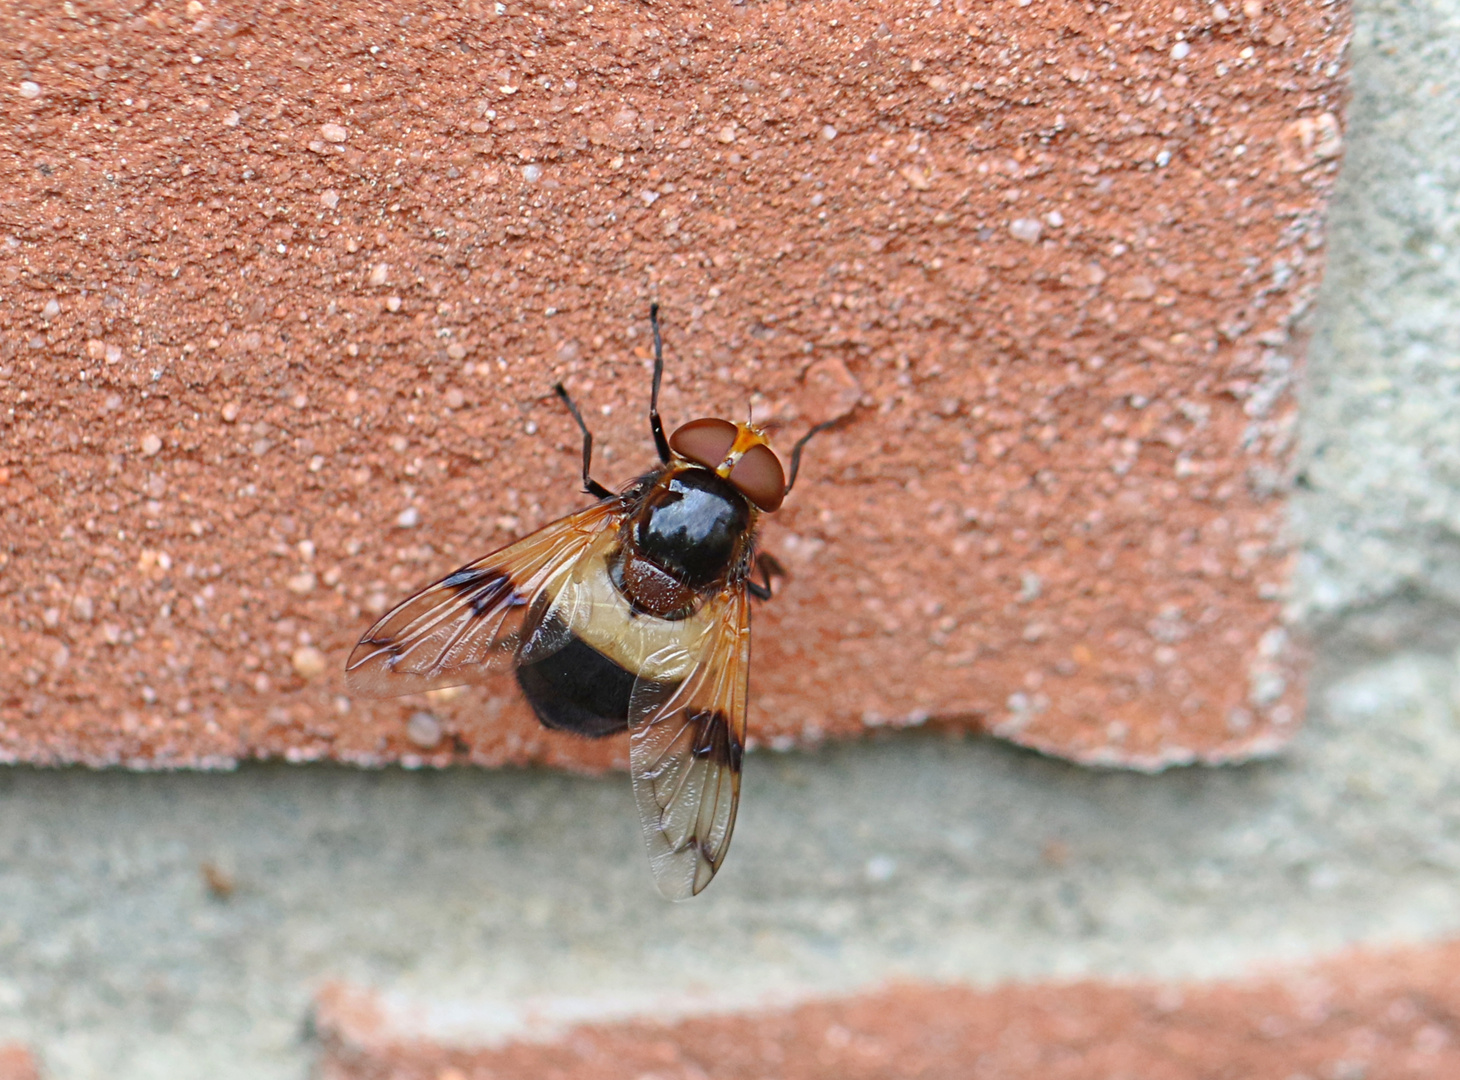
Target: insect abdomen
(578, 689)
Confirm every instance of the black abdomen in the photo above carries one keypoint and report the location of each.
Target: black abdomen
(578, 689)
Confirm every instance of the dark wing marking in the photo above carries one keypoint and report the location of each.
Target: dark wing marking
(475, 620)
(686, 743)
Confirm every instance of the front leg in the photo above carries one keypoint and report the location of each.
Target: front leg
(769, 566)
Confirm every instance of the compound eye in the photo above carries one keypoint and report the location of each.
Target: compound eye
(705, 442)
(759, 477)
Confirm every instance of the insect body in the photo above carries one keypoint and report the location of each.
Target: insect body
(632, 614)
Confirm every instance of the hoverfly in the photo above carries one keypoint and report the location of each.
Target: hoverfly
(632, 614)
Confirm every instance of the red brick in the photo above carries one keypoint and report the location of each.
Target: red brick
(17, 1063)
(1053, 512)
(1378, 1016)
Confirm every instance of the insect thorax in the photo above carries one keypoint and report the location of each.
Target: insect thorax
(688, 534)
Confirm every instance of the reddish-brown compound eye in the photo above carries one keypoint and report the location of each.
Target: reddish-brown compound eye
(705, 442)
(759, 477)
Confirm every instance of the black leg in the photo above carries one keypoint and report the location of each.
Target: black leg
(655, 424)
(590, 485)
(767, 565)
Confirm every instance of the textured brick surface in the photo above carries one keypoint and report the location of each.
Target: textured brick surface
(279, 316)
(1376, 1016)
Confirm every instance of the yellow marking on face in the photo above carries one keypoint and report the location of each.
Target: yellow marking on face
(745, 437)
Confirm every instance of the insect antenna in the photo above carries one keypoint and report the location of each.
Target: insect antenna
(801, 445)
(655, 424)
(590, 485)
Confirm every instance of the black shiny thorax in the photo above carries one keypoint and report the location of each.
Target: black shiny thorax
(693, 525)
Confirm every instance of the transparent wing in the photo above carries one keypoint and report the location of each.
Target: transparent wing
(686, 741)
(477, 619)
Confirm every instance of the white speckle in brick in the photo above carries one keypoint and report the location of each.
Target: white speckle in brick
(1273, 643)
(424, 730)
(1030, 586)
(1265, 687)
(1027, 230)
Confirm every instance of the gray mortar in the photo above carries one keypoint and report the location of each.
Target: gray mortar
(1381, 416)
(914, 856)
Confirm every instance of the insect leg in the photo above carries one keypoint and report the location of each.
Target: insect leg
(590, 485)
(655, 424)
(769, 566)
